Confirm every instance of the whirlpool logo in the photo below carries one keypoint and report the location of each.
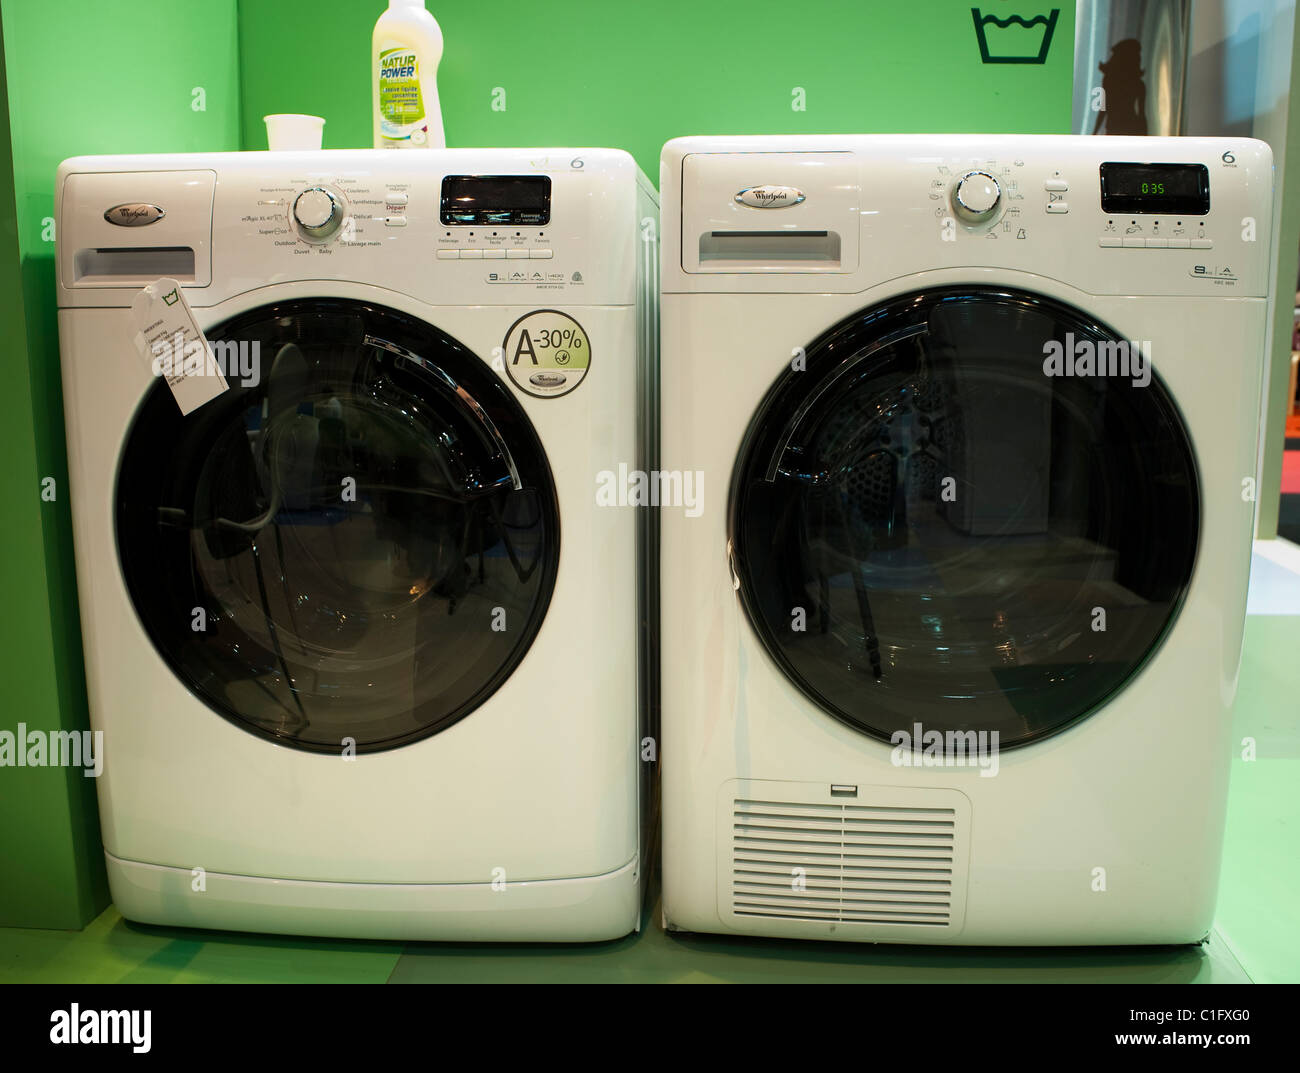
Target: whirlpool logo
(770, 197)
(134, 214)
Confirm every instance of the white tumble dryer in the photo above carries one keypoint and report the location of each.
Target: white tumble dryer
(363, 647)
(951, 649)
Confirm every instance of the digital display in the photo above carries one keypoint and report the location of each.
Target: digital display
(1168, 189)
(509, 200)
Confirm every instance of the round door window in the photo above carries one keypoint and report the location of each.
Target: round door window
(355, 544)
(972, 510)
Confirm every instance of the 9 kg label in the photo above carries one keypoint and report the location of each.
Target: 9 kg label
(547, 353)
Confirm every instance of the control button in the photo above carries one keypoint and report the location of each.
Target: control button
(396, 200)
(448, 255)
(1157, 243)
(471, 255)
(976, 197)
(1135, 241)
(541, 254)
(1056, 184)
(1110, 240)
(1058, 206)
(317, 212)
(394, 221)
(516, 255)
(494, 255)
(1179, 243)
(1202, 244)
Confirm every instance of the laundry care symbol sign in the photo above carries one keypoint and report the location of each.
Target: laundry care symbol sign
(1014, 38)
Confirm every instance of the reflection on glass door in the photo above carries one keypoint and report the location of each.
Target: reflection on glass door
(928, 528)
(361, 546)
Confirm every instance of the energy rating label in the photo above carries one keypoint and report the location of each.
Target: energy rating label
(547, 353)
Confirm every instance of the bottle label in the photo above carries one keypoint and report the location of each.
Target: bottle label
(401, 105)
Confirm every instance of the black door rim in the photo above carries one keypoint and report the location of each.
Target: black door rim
(773, 412)
(526, 445)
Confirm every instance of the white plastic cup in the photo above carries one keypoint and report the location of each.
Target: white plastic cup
(291, 130)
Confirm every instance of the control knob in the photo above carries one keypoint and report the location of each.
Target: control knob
(318, 212)
(976, 197)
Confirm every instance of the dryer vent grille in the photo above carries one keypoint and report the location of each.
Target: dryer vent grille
(845, 863)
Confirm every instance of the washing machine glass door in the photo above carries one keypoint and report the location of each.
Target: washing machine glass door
(936, 522)
(355, 545)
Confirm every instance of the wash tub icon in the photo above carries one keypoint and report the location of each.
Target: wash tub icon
(1014, 39)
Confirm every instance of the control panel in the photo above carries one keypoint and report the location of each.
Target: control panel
(1171, 199)
(318, 211)
(874, 208)
(449, 226)
(497, 226)
(1048, 209)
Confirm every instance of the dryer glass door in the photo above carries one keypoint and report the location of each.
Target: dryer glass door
(356, 542)
(932, 523)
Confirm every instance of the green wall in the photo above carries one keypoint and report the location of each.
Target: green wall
(47, 819)
(573, 72)
(126, 77)
(632, 76)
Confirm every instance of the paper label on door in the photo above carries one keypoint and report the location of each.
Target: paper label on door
(176, 349)
(547, 353)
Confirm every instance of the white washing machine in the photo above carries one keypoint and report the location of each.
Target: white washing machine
(363, 647)
(951, 650)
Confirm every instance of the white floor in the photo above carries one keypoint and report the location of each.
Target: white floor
(1274, 578)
